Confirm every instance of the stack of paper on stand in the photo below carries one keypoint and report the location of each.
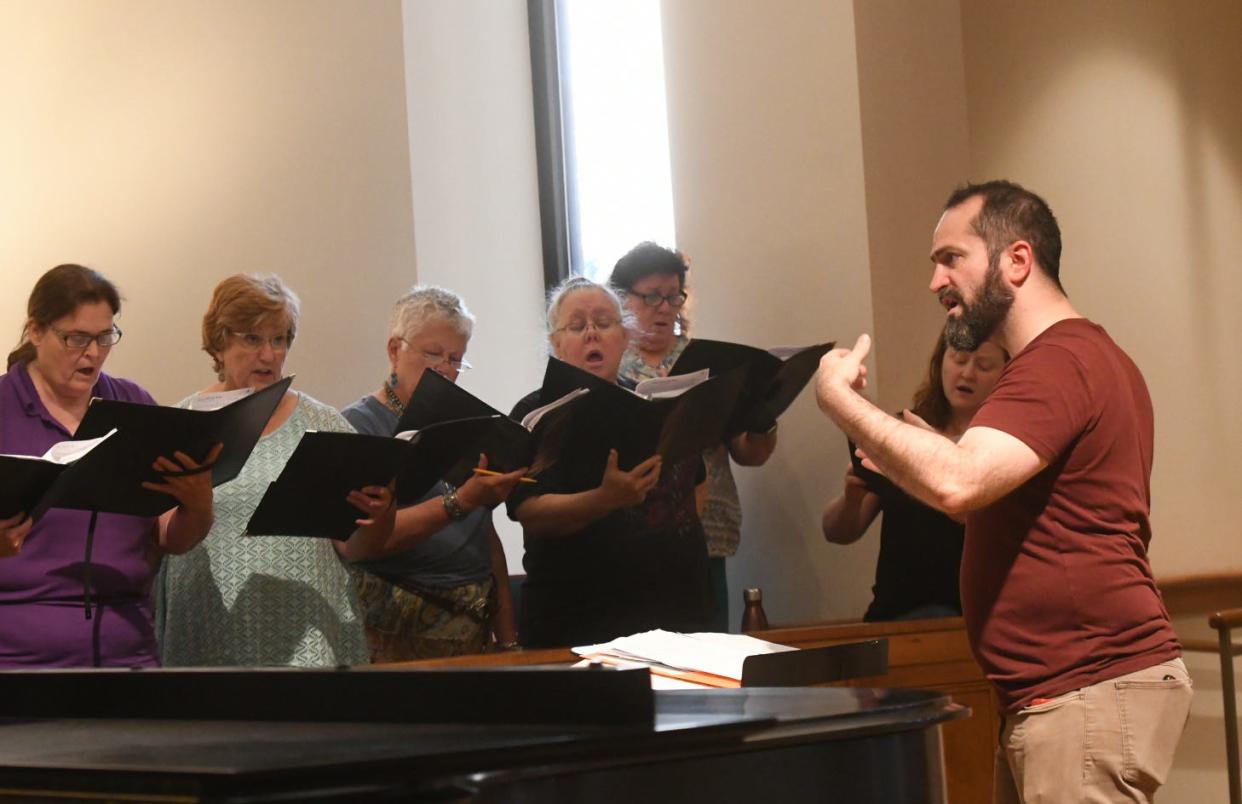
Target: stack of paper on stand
(683, 661)
(149, 431)
(28, 483)
(774, 377)
(677, 417)
(308, 498)
(731, 660)
(508, 444)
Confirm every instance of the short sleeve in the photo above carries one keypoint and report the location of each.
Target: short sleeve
(1043, 399)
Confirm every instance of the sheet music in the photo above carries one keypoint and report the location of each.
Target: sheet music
(718, 654)
(218, 399)
(785, 352)
(530, 420)
(671, 386)
(65, 452)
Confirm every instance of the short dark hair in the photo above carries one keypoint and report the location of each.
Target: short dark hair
(57, 294)
(1010, 212)
(645, 259)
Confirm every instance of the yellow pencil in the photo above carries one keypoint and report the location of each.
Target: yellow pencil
(480, 471)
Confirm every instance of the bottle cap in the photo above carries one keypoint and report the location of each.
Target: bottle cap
(752, 595)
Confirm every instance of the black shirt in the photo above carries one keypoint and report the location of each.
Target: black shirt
(920, 558)
(633, 570)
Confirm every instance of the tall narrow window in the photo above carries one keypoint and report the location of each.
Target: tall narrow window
(602, 125)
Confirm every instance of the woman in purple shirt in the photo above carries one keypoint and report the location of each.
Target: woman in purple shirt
(52, 375)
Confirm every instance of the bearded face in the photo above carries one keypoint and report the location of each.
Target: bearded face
(979, 318)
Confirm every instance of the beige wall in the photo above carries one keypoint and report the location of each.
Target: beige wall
(912, 85)
(1126, 117)
(768, 197)
(173, 144)
(475, 190)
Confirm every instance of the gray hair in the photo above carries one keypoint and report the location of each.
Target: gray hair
(575, 284)
(423, 304)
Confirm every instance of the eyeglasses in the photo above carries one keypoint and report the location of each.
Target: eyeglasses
(579, 327)
(253, 342)
(81, 340)
(653, 299)
(436, 359)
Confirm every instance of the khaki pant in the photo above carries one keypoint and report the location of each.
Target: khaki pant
(1110, 742)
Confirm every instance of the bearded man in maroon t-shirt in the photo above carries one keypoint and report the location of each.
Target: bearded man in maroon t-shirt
(1053, 478)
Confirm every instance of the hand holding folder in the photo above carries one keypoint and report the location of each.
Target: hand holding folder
(508, 444)
(13, 533)
(331, 478)
(186, 480)
(111, 477)
(610, 417)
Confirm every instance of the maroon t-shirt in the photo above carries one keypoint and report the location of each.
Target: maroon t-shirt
(1057, 591)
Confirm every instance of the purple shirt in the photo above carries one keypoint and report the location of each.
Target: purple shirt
(42, 616)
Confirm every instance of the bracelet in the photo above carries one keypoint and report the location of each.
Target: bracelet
(452, 506)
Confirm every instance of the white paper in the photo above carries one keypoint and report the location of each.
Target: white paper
(218, 399)
(531, 419)
(64, 452)
(786, 352)
(672, 386)
(718, 654)
(658, 682)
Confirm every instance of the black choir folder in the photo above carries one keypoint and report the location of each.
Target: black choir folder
(440, 436)
(26, 479)
(308, 498)
(875, 481)
(677, 417)
(108, 477)
(508, 444)
(773, 378)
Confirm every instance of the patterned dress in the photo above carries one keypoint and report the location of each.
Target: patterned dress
(260, 600)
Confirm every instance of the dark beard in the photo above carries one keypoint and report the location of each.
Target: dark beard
(980, 319)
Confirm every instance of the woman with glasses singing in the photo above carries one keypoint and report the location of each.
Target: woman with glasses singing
(652, 280)
(628, 555)
(52, 375)
(258, 600)
(442, 587)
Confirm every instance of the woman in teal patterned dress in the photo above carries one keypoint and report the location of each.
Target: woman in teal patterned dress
(258, 600)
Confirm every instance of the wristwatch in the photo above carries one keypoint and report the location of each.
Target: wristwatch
(452, 506)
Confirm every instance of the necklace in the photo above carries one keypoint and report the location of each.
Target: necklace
(392, 400)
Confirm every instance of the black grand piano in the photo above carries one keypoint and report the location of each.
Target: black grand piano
(528, 734)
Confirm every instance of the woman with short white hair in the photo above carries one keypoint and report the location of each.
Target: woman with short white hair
(442, 586)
